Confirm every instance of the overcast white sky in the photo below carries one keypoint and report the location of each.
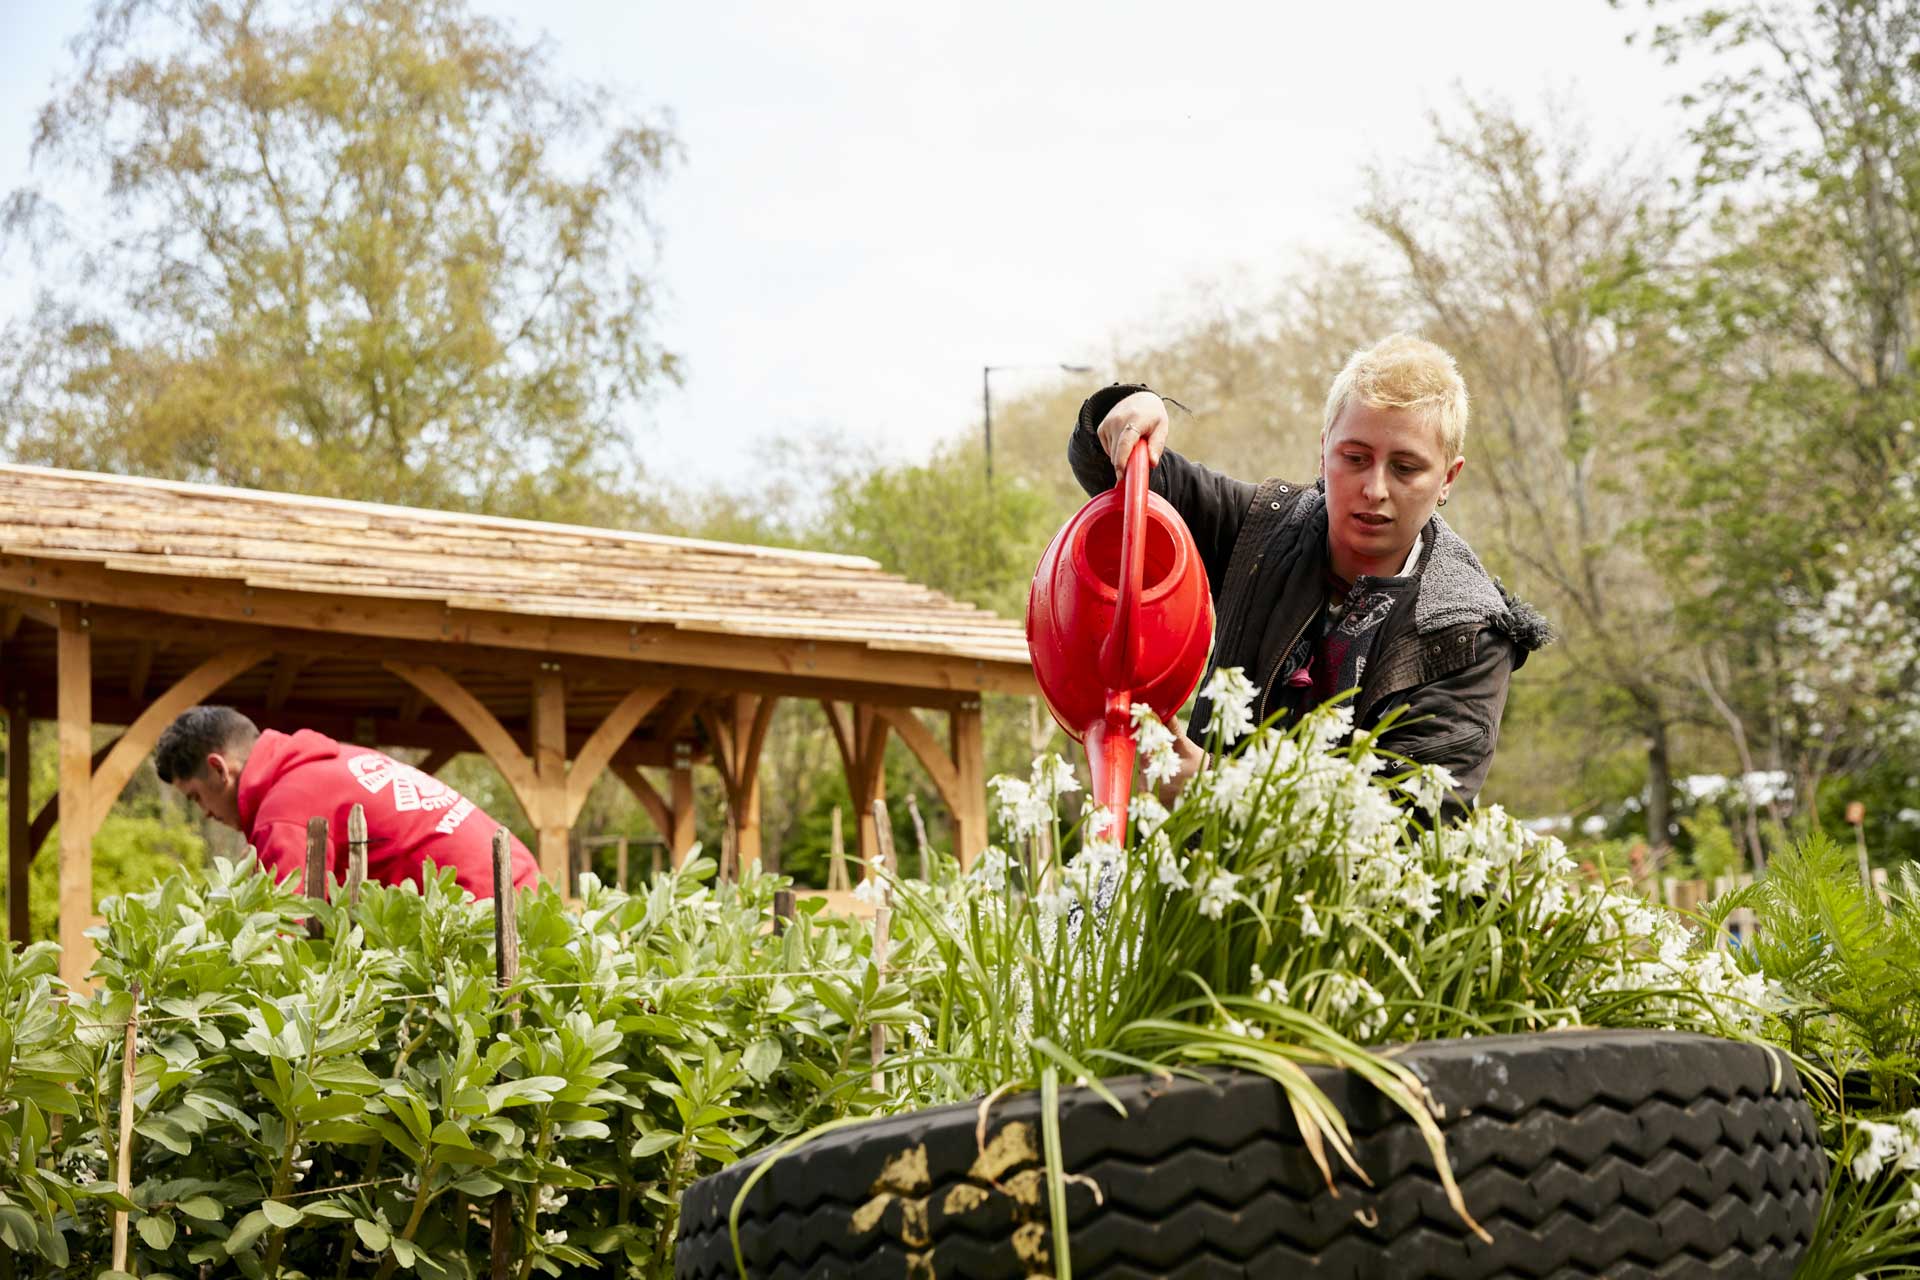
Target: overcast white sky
(878, 198)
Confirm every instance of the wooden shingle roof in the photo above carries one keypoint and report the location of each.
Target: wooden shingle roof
(168, 531)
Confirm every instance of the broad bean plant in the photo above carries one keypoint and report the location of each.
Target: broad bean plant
(364, 1104)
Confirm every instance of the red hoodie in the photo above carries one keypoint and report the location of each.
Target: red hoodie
(412, 817)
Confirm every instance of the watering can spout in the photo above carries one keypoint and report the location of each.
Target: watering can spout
(1120, 614)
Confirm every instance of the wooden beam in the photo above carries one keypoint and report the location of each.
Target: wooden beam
(209, 634)
(548, 812)
(431, 734)
(592, 757)
(19, 852)
(141, 671)
(753, 736)
(679, 713)
(10, 616)
(487, 732)
(399, 618)
(967, 733)
(133, 745)
(285, 673)
(75, 650)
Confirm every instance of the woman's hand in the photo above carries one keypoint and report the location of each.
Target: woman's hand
(1191, 758)
(1141, 416)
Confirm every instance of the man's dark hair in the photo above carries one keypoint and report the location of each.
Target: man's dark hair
(194, 735)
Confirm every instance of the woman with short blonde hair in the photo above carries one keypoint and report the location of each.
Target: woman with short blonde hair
(1353, 582)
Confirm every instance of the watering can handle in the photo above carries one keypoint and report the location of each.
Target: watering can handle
(1120, 655)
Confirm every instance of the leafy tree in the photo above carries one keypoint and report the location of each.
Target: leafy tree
(1507, 242)
(1784, 365)
(372, 248)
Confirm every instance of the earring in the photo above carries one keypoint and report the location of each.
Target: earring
(1443, 502)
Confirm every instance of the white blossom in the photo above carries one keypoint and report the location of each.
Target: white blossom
(1231, 695)
(1217, 895)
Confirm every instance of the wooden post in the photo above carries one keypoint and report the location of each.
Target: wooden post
(782, 909)
(124, 1174)
(620, 865)
(506, 968)
(356, 853)
(680, 798)
(968, 737)
(882, 928)
(75, 700)
(549, 813)
(867, 777)
(315, 883)
(19, 814)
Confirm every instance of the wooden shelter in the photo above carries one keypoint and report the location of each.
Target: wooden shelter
(559, 652)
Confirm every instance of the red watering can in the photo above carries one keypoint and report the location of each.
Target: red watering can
(1119, 613)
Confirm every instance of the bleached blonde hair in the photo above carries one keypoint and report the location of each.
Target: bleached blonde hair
(1403, 371)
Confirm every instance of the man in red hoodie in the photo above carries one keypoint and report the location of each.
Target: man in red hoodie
(266, 786)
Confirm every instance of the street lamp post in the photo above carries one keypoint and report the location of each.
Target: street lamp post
(986, 397)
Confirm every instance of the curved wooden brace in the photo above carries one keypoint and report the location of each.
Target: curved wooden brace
(481, 725)
(747, 764)
(842, 734)
(646, 793)
(42, 825)
(600, 747)
(111, 775)
(927, 749)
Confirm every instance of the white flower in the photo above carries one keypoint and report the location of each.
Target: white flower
(1309, 923)
(1348, 993)
(1429, 785)
(1147, 813)
(1231, 694)
(1909, 1208)
(554, 1237)
(1166, 865)
(871, 890)
(1235, 1027)
(1884, 1142)
(1099, 822)
(1053, 777)
(1217, 895)
(1268, 990)
(992, 868)
(1331, 725)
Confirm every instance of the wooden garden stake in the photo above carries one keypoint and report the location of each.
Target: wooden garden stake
(621, 865)
(316, 884)
(919, 835)
(782, 910)
(124, 1177)
(356, 853)
(506, 968)
(882, 927)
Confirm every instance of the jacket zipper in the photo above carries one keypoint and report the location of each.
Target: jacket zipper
(1266, 693)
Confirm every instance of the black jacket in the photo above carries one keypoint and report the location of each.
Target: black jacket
(1445, 653)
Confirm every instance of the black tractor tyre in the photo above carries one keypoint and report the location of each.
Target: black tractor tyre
(1582, 1153)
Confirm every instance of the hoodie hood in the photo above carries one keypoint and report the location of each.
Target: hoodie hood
(273, 756)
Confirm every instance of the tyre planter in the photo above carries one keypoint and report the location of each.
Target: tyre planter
(1582, 1153)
